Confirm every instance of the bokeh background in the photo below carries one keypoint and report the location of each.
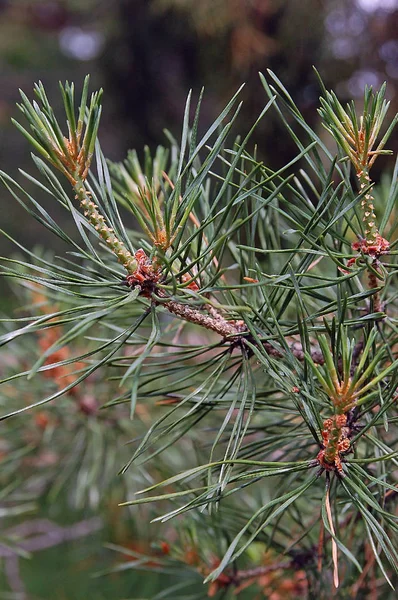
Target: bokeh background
(147, 54)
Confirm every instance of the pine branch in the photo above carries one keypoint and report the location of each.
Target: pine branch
(301, 384)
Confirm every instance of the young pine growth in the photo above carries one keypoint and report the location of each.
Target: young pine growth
(219, 304)
(72, 155)
(358, 140)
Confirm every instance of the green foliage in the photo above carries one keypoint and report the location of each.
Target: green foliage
(210, 299)
(358, 139)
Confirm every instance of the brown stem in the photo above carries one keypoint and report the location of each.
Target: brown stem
(259, 571)
(360, 583)
(321, 541)
(233, 330)
(373, 284)
(217, 324)
(297, 350)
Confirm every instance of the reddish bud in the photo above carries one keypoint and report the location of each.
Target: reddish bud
(165, 547)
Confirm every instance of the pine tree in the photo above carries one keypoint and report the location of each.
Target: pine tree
(243, 318)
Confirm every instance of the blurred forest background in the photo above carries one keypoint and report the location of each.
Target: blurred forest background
(147, 54)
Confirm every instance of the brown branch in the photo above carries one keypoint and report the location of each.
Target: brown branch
(227, 329)
(321, 542)
(360, 583)
(233, 331)
(297, 350)
(373, 284)
(259, 571)
(147, 276)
